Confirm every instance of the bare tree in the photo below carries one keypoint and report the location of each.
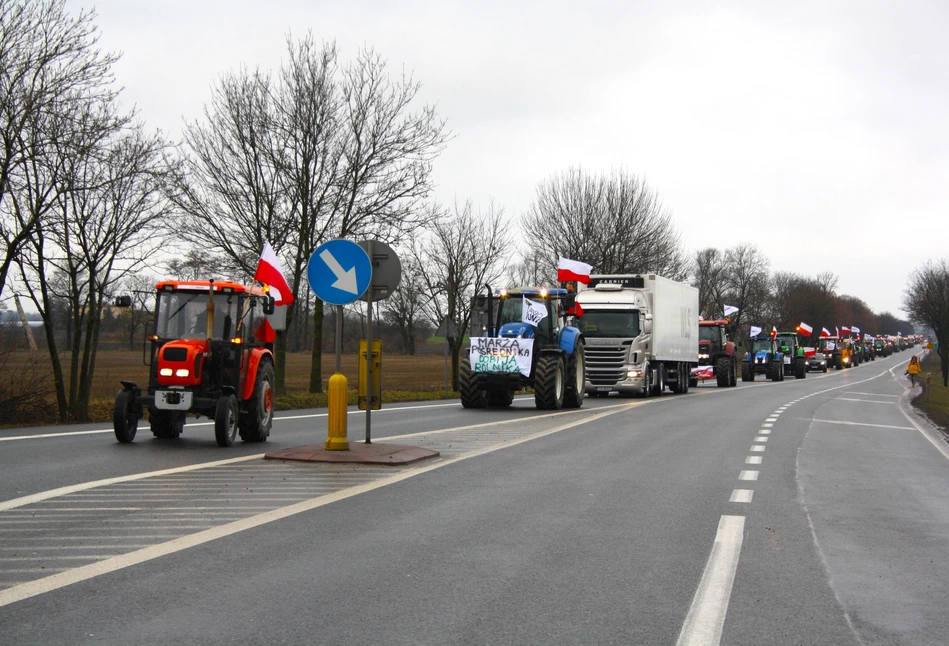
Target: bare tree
(132, 320)
(710, 278)
(747, 283)
(926, 300)
(48, 60)
(614, 222)
(322, 152)
(404, 308)
(466, 250)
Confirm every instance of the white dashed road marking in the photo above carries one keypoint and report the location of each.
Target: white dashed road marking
(741, 495)
(748, 475)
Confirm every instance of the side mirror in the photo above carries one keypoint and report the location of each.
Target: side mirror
(647, 324)
(123, 301)
(269, 305)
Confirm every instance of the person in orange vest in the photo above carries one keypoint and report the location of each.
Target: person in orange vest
(912, 369)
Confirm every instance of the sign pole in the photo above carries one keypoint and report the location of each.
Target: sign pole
(446, 366)
(369, 351)
(339, 338)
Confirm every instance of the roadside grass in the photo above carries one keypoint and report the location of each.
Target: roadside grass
(404, 378)
(935, 404)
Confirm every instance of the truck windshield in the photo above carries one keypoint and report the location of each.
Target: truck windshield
(183, 315)
(609, 323)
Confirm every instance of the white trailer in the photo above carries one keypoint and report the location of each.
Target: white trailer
(641, 334)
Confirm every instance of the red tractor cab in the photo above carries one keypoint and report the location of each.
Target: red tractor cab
(211, 354)
(717, 351)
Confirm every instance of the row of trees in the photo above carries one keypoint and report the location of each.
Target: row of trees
(926, 299)
(740, 276)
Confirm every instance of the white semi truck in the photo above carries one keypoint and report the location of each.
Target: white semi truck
(641, 334)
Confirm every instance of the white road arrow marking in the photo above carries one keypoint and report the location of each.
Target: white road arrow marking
(345, 279)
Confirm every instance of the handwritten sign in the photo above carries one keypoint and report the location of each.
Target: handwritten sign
(501, 355)
(532, 312)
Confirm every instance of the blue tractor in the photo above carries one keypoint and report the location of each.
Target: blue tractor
(527, 343)
(764, 358)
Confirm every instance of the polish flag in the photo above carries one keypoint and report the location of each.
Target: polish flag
(774, 331)
(703, 372)
(265, 333)
(845, 330)
(804, 328)
(810, 352)
(824, 332)
(573, 270)
(575, 310)
(270, 273)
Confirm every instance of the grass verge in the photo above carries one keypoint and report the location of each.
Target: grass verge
(934, 404)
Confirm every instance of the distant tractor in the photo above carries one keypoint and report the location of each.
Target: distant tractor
(836, 351)
(717, 351)
(763, 359)
(210, 353)
(793, 355)
(527, 343)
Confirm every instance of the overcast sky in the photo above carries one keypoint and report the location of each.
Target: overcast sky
(817, 130)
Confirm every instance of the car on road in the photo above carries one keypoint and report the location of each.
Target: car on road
(816, 360)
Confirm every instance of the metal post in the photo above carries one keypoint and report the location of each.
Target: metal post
(339, 338)
(446, 365)
(369, 350)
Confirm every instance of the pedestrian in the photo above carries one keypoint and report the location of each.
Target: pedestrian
(912, 369)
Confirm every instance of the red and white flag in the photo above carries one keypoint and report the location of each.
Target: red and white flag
(824, 332)
(269, 272)
(774, 331)
(804, 328)
(845, 330)
(573, 270)
(838, 331)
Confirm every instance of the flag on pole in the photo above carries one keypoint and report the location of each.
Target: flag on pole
(532, 312)
(804, 328)
(269, 272)
(774, 331)
(845, 330)
(575, 310)
(755, 331)
(729, 310)
(573, 270)
(824, 332)
(855, 329)
(837, 329)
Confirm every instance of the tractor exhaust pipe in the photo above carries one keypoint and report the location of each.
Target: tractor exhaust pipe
(210, 330)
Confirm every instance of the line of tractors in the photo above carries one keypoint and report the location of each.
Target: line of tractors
(210, 352)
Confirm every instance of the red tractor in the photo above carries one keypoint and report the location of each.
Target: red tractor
(717, 351)
(212, 355)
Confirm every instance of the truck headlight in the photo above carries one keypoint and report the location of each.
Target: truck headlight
(634, 373)
(703, 356)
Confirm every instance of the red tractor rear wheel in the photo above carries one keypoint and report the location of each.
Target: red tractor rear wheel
(257, 417)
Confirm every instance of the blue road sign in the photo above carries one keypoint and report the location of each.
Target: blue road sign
(339, 272)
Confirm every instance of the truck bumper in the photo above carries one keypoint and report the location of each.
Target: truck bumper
(630, 386)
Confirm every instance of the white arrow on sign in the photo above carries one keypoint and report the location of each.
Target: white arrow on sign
(345, 278)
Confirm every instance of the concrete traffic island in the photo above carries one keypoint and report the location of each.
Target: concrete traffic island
(358, 453)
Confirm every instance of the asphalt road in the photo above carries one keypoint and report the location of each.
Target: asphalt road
(798, 512)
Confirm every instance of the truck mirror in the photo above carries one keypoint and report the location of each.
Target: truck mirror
(647, 324)
(270, 305)
(123, 301)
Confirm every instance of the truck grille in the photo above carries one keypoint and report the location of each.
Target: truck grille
(605, 363)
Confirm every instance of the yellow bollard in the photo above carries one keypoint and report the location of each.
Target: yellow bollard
(337, 391)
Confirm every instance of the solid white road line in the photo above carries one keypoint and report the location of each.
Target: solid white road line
(853, 392)
(868, 401)
(753, 459)
(741, 495)
(63, 579)
(837, 421)
(706, 618)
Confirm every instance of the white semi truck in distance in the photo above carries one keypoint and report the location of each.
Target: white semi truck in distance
(641, 334)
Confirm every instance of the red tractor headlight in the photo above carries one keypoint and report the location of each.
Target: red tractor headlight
(165, 372)
(182, 372)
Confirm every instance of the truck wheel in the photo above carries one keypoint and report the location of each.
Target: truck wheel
(686, 378)
(549, 382)
(500, 398)
(125, 417)
(225, 420)
(573, 395)
(733, 372)
(255, 423)
(471, 395)
(723, 371)
(660, 386)
(166, 425)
